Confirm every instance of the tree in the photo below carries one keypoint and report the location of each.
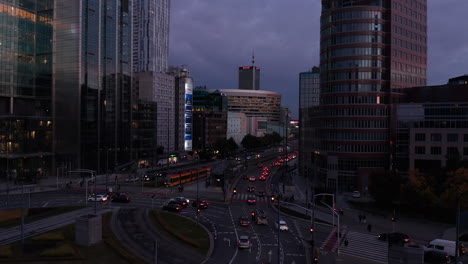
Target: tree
(455, 183)
(419, 190)
(250, 142)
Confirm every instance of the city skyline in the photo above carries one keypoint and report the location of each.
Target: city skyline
(214, 39)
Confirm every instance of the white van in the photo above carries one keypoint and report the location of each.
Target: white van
(442, 245)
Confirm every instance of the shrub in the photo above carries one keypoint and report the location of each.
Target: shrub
(6, 251)
(64, 250)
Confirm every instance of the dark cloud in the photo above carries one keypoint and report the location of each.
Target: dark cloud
(214, 37)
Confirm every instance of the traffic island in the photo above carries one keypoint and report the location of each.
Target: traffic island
(184, 229)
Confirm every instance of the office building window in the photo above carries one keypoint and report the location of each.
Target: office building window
(436, 150)
(420, 150)
(452, 151)
(452, 137)
(420, 137)
(465, 138)
(436, 137)
(465, 151)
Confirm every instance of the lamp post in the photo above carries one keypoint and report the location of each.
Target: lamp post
(457, 228)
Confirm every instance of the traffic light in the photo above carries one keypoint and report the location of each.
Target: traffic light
(234, 191)
(311, 229)
(253, 215)
(394, 218)
(272, 198)
(315, 260)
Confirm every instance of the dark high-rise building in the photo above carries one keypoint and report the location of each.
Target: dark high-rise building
(368, 50)
(249, 77)
(67, 100)
(309, 95)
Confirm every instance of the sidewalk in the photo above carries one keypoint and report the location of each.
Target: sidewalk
(423, 230)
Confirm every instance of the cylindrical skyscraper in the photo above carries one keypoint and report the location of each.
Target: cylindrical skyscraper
(369, 50)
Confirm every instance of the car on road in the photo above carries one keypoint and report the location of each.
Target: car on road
(251, 188)
(444, 246)
(262, 178)
(172, 207)
(356, 194)
(251, 200)
(282, 225)
(244, 221)
(244, 242)
(252, 178)
(99, 197)
(261, 193)
(394, 238)
(261, 218)
(260, 165)
(179, 200)
(436, 257)
(245, 177)
(121, 198)
(203, 204)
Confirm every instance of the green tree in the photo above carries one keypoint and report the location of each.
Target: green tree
(418, 191)
(250, 142)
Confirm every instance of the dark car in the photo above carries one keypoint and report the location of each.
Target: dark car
(203, 204)
(121, 198)
(251, 200)
(244, 221)
(436, 257)
(172, 207)
(394, 238)
(261, 193)
(174, 202)
(251, 188)
(180, 200)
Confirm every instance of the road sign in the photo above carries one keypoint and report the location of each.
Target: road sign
(228, 240)
(269, 255)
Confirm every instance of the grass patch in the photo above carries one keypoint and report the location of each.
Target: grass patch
(184, 229)
(9, 218)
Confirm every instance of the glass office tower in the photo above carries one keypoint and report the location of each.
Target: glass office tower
(150, 35)
(369, 51)
(25, 90)
(92, 83)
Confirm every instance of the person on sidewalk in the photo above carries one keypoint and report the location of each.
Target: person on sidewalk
(360, 218)
(369, 228)
(346, 242)
(364, 220)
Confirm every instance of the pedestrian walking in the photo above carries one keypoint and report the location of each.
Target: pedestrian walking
(346, 242)
(360, 218)
(364, 220)
(369, 228)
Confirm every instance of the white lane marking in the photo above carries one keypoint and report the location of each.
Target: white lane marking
(45, 204)
(237, 236)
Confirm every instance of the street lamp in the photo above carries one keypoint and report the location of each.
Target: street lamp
(457, 231)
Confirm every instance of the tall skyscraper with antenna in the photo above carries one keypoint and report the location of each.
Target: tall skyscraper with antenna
(249, 77)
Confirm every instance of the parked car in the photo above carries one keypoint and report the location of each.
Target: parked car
(99, 197)
(394, 238)
(244, 221)
(172, 207)
(121, 198)
(244, 242)
(282, 225)
(436, 257)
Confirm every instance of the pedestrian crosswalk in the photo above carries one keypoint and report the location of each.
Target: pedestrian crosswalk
(365, 246)
(245, 196)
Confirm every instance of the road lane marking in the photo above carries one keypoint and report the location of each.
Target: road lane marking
(237, 236)
(45, 204)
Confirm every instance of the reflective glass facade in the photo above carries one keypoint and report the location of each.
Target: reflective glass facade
(26, 90)
(249, 78)
(150, 35)
(370, 51)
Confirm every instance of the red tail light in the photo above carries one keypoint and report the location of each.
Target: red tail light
(406, 239)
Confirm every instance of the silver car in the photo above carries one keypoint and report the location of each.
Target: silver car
(282, 226)
(244, 242)
(99, 198)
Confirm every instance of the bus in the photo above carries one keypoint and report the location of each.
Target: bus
(187, 176)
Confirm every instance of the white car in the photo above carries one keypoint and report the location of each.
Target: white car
(244, 242)
(282, 226)
(99, 198)
(356, 194)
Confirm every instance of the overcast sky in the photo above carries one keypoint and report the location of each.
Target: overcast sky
(215, 37)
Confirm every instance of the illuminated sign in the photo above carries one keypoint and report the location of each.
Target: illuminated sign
(188, 115)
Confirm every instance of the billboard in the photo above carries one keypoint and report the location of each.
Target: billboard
(188, 115)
